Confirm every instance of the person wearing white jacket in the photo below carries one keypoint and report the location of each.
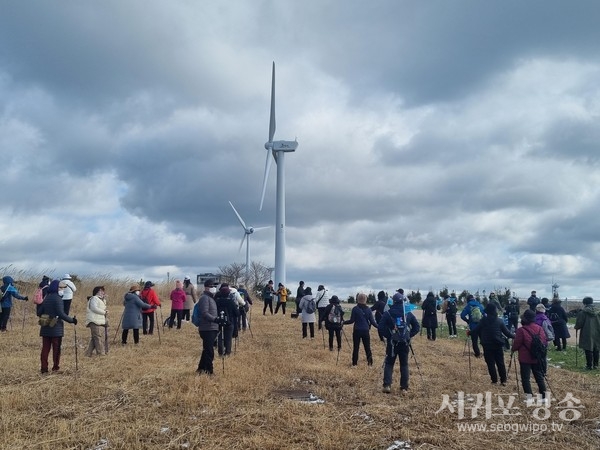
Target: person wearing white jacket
(95, 320)
(322, 300)
(67, 292)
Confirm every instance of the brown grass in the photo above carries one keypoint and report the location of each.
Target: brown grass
(149, 396)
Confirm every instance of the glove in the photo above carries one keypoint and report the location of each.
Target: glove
(26, 298)
(468, 332)
(74, 320)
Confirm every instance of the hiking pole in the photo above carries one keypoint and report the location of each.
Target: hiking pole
(161, 320)
(106, 337)
(118, 326)
(576, 349)
(323, 334)
(157, 328)
(248, 317)
(346, 337)
(76, 352)
(416, 364)
(516, 375)
(469, 353)
(223, 347)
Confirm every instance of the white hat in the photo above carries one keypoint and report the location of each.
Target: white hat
(66, 276)
(186, 278)
(541, 308)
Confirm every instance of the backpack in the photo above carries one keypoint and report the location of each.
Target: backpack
(38, 297)
(475, 314)
(310, 306)
(335, 316)
(538, 350)
(512, 311)
(554, 317)
(399, 334)
(196, 314)
(451, 309)
(548, 329)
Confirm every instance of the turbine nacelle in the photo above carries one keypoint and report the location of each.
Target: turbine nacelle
(282, 146)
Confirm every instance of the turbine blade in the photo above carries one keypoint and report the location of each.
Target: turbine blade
(238, 216)
(242, 243)
(272, 125)
(264, 188)
(261, 228)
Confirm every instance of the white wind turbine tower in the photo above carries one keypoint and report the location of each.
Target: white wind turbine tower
(278, 149)
(247, 232)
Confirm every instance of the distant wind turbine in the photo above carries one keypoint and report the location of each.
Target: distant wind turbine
(247, 232)
(277, 149)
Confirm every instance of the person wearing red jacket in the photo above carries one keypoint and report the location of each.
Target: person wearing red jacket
(149, 295)
(523, 343)
(177, 301)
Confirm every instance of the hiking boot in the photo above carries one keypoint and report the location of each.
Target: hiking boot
(330, 349)
(588, 368)
(386, 389)
(404, 391)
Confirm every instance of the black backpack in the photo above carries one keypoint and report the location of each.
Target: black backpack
(399, 333)
(538, 350)
(553, 316)
(512, 311)
(451, 310)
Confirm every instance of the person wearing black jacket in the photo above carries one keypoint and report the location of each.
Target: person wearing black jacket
(557, 315)
(429, 320)
(299, 294)
(227, 307)
(52, 328)
(392, 319)
(379, 308)
(491, 330)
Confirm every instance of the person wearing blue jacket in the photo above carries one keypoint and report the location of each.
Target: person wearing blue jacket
(394, 319)
(52, 330)
(468, 316)
(362, 318)
(8, 293)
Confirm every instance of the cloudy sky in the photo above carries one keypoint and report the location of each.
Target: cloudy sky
(440, 143)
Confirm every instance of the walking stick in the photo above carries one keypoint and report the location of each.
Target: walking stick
(157, 328)
(106, 337)
(118, 326)
(248, 322)
(161, 320)
(346, 337)
(468, 342)
(417, 364)
(576, 349)
(323, 334)
(223, 345)
(76, 352)
(516, 375)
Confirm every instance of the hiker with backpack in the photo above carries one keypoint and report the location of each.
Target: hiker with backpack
(512, 312)
(494, 301)
(227, 310)
(492, 332)
(558, 317)
(308, 307)
(588, 324)
(472, 313)
(542, 320)
(430, 321)
(450, 309)
(282, 295)
(362, 318)
(7, 293)
(149, 296)
(267, 296)
(398, 327)
(334, 320)
(322, 301)
(51, 320)
(243, 310)
(530, 342)
(41, 291)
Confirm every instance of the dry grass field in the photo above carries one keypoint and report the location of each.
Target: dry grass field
(149, 396)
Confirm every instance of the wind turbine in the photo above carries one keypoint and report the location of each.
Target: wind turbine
(277, 149)
(247, 232)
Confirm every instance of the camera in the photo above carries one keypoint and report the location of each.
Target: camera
(222, 320)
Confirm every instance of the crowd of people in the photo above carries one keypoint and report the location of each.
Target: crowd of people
(220, 312)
